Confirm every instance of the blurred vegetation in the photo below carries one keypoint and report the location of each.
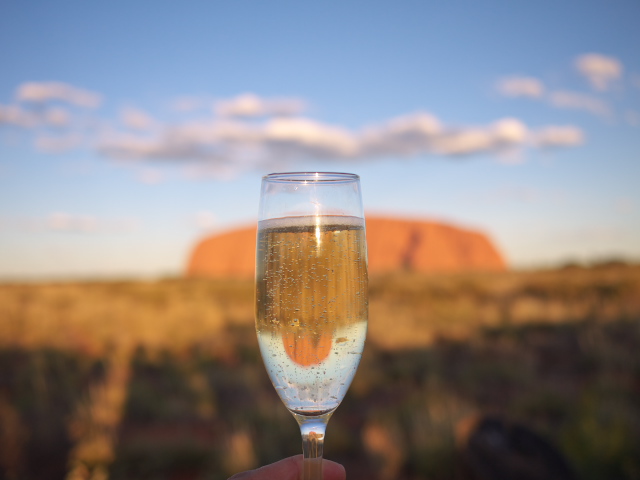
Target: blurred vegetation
(163, 380)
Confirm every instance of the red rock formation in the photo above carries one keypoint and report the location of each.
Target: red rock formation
(231, 254)
(393, 245)
(428, 247)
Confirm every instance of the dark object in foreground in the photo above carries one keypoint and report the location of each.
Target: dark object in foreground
(495, 449)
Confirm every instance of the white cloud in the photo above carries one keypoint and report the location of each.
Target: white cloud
(509, 131)
(40, 92)
(61, 221)
(177, 143)
(131, 146)
(216, 131)
(521, 87)
(214, 171)
(191, 103)
(57, 144)
(310, 136)
(57, 117)
(224, 147)
(599, 70)
(16, 116)
(533, 88)
(250, 105)
(462, 142)
(579, 101)
(235, 141)
(406, 135)
(558, 136)
(77, 223)
(426, 135)
(204, 220)
(136, 119)
(256, 133)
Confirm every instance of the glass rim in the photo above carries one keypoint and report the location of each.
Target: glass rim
(311, 177)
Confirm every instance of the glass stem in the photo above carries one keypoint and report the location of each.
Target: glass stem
(313, 430)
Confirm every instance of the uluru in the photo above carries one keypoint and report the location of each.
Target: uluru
(393, 245)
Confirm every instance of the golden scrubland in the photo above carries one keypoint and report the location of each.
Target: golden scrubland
(163, 379)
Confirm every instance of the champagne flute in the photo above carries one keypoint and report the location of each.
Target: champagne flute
(311, 295)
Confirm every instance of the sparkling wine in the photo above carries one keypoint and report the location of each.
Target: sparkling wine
(311, 307)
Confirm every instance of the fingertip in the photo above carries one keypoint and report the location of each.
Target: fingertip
(333, 471)
(292, 467)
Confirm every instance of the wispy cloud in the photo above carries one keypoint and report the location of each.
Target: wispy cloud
(558, 136)
(278, 140)
(136, 119)
(40, 92)
(67, 222)
(60, 221)
(204, 220)
(521, 87)
(64, 222)
(504, 133)
(579, 101)
(306, 137)
(57, 117)
(249, 132)
(406, 135)
(57, 144)
(599, 70)
(17, 116)
(173, 143)
(191, 103)
(250, 105)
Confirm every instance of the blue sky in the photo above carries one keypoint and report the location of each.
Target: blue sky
(130, 130)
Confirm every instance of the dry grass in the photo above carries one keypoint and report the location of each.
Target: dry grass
(163, 379)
